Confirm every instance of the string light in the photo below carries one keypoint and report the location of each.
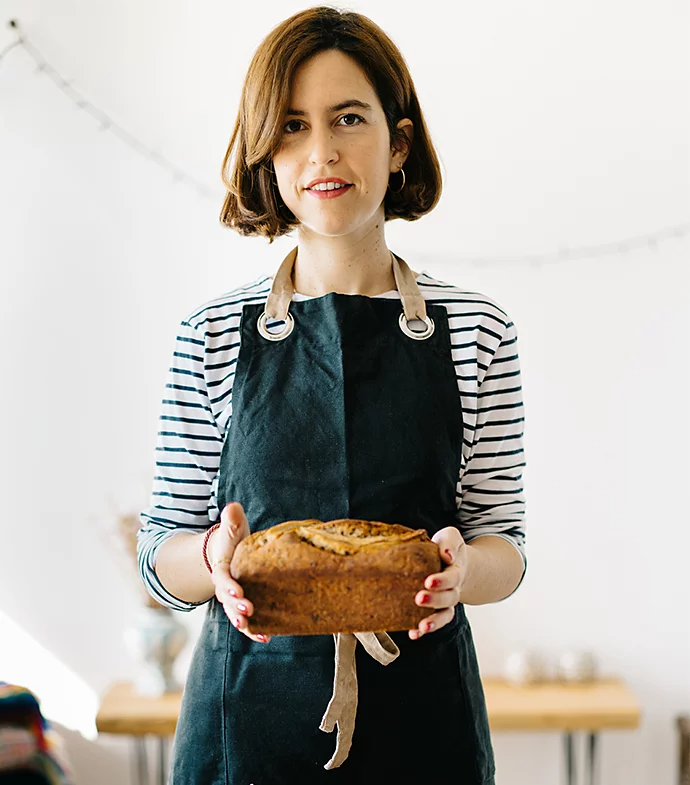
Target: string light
(106, 123)
(17, 42)
(619, 247)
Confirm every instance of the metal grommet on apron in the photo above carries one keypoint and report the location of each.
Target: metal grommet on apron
(417, 335)
(261, 326)
(341, 414)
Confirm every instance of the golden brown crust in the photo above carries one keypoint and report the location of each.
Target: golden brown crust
(312, 577)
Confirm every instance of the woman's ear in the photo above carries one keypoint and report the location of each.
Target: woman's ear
(402, 144)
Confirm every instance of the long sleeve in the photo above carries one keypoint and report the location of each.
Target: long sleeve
(195, 416)
(492, 501)
(187, 458)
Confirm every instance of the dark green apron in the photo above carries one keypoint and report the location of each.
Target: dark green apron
(346, 417)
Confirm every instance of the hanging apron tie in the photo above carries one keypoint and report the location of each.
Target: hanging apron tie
(342, 707)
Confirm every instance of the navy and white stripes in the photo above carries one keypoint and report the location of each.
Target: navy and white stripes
(197, 408)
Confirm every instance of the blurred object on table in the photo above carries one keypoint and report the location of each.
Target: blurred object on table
(577, 667)
(525, 667)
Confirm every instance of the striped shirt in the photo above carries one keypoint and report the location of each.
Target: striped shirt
(197, 409)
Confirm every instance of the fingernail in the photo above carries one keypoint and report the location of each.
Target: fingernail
(232, 592)
(425, 599)
(450, 555)
(436, 582)
(430, 626)
(262, 637)
(242, 607)
(236, 622)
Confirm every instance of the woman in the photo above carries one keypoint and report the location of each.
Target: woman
(335, 406)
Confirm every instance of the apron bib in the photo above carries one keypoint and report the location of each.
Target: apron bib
(347, 414)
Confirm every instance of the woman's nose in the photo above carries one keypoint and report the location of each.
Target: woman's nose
(322, 147)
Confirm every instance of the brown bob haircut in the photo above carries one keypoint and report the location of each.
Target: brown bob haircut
(253, 205)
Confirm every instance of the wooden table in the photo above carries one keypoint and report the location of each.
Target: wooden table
(124, 711)
(601, 705)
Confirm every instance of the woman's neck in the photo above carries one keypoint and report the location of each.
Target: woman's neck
(336, 264)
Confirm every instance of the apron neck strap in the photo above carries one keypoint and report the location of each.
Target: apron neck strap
(280, 296)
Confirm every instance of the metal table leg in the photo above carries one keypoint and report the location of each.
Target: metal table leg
(591, 757)
(141, 761)
(162, 763)
(569, 758)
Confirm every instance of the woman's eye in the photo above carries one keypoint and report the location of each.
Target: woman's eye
(291, 130)
(361, 119)
(287, 125)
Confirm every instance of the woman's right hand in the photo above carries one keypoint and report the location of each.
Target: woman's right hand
(233, 528)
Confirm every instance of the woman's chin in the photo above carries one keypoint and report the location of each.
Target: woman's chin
(332, 227)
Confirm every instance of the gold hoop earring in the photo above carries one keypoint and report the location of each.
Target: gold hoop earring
(402, 172)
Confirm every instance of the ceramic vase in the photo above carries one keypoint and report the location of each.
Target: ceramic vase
(577, 667)
(524, 667)
(155, 640)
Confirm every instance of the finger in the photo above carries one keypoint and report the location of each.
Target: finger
(439, 580)
(230, 593)
(435, 621)
(437, 599)
(448, 579)
(240, 605)
(225, 585)
(241, 624)
(449, 541)
(235, 521)
(233, 528)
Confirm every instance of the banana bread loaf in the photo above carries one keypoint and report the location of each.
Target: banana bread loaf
(313, 578)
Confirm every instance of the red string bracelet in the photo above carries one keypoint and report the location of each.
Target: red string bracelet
(209, 532)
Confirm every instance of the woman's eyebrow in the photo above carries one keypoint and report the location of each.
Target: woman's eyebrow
(336, 107)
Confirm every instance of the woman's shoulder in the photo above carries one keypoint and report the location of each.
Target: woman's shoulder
(228, 306)
(458, 300)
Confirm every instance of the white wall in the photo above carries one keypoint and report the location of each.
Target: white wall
(558, 124)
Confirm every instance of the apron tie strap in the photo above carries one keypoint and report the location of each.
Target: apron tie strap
(280, 296)
(413, 303)
(342, 707)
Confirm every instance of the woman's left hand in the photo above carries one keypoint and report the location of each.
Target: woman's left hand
(443, 589)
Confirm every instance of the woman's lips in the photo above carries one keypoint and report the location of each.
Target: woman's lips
(329, 194)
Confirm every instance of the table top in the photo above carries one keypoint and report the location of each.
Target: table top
(599, 705)
(603, 704)
(123, 710)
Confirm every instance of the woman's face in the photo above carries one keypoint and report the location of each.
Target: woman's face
(326, 135)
